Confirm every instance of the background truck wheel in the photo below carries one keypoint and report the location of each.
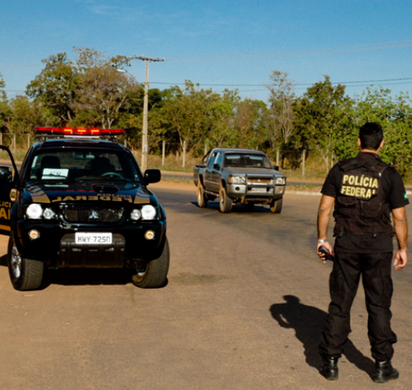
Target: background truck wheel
(155, 273)
(225, 203)
(276, 206)
(202, 199)
(25, 274)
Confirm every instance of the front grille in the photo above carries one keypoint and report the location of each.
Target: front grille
(88, 214)
(258, 180)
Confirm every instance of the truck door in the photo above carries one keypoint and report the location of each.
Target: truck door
(8, 180)
(216, 179)
(208, 179)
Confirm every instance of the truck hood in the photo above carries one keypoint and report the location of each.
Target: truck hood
(253, 171)
(86, 192)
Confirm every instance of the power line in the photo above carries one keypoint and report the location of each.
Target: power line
(359, 83)
(405, 80)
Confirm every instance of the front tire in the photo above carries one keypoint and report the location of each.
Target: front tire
(276, 206)
(25, 274)
(155, 273)
(202, 199)
(225, 203)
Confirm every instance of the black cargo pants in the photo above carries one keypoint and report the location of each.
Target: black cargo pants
(375, 269)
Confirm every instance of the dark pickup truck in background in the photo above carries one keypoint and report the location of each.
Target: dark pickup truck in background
(239, 176)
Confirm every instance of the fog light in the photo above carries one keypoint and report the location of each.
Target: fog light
(34, 234)
(149, 235)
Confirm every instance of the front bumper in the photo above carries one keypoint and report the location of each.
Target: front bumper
(254, 192)
(56, 245)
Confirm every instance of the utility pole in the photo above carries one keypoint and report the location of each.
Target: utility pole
(145, 108)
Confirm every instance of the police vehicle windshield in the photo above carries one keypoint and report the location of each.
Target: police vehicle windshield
(76, 164)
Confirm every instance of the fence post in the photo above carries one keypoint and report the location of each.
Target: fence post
(303, 162)
(163, 152)
(205, 148)
(1, 138)
(277, 156)
(14, 144)
(28, 141)
(184, 153)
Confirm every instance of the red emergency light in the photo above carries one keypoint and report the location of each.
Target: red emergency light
(79, 131)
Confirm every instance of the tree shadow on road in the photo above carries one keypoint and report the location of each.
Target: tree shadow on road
(307, 321)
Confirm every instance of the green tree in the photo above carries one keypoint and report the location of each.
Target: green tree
(319, 117)
(55, 87)
(4, 105)
(251, 123)
(102, 92)
(131, 118)
(281, 100)
(394, 113)
(23, 115)
(220, 127)
(103, 89)
(3, 95)
(186, 114)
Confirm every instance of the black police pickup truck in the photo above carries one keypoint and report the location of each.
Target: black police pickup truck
(80, 200)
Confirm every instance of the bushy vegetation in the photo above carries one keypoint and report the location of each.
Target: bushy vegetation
(323, 121)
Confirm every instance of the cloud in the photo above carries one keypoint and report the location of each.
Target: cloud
(106, 10)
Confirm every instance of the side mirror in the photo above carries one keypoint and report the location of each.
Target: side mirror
(276, 167)
(5, 174)
(216, 166)
(152, 176)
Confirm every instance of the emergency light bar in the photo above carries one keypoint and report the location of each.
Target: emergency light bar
(80, 131)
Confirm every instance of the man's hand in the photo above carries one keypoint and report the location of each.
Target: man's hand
(401, 258)
(324, 212)
(401, 230)
(327, 246)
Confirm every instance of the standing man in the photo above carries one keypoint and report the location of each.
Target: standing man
(364, 192)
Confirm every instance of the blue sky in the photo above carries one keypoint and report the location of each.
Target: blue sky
(218, 44)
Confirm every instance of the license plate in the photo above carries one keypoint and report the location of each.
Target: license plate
(93, 238)
(258, 189)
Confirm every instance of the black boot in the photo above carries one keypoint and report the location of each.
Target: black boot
(384, 372)
(330, 368)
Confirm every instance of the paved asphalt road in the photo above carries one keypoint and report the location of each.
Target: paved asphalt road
(242, 310)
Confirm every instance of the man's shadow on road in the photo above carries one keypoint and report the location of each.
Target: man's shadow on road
(307, 321)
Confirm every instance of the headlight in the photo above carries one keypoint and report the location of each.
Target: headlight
(280, 180)
(135, 214)
(48, 214)
(148, 212)
(34, 211)
(237, 180)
